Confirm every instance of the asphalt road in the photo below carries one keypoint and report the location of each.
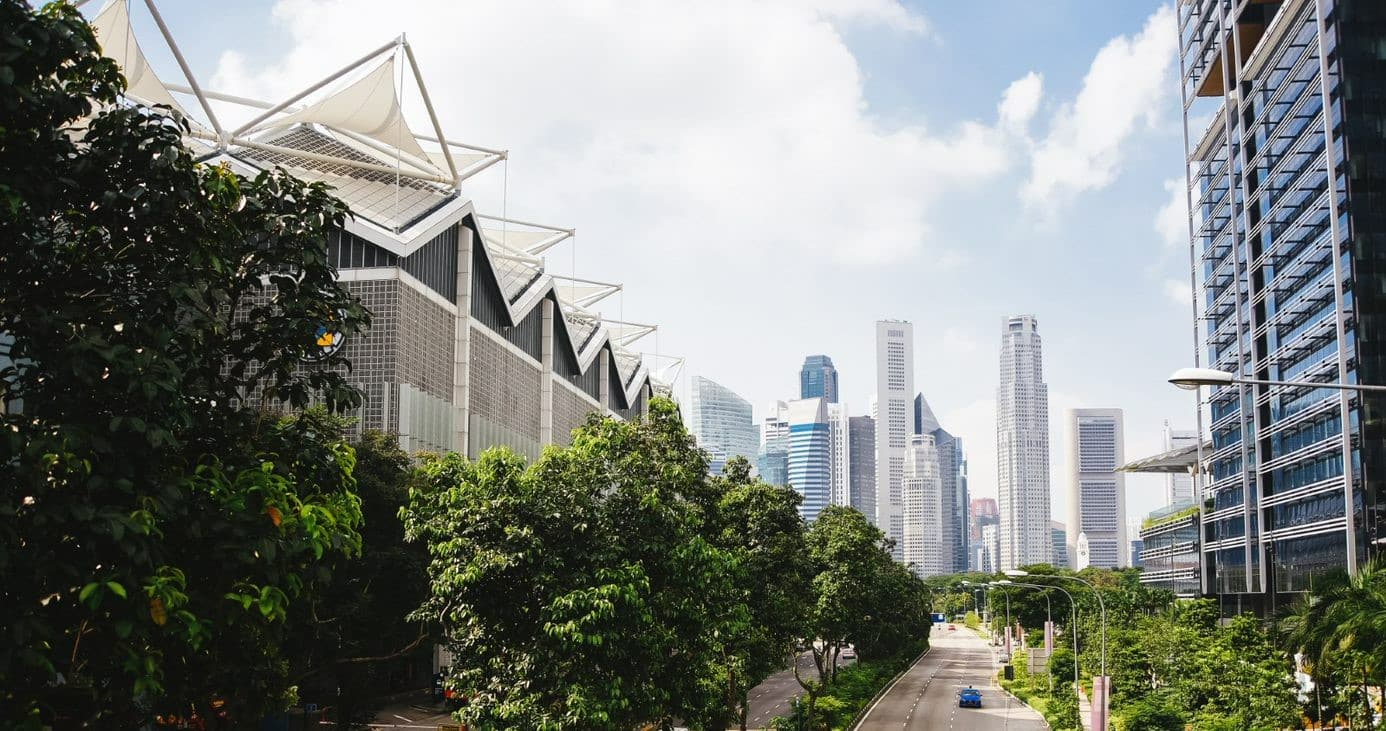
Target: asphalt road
(772, 697)
(925, 697)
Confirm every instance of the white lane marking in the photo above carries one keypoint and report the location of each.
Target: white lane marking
(402, 718)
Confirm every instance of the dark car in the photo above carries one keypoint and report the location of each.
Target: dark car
(969, 697)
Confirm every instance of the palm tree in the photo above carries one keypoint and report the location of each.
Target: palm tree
(1340, 628)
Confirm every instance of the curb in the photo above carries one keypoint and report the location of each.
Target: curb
(1043, 719)
(870, 706)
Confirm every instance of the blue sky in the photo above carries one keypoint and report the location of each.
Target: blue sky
(770, 177)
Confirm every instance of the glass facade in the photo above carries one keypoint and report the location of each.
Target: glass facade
(1289, 194)
(722, 423)
(818, 378)
(810, 455)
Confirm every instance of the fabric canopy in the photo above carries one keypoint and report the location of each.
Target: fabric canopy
(369, 107)
(581, 294)
(520, 241)
(117, 39)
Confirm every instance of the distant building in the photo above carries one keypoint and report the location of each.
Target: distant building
(773, 461)
(861, 464)
(722, 423)
(840, 455)
(924, 543)
(894, 393)
(991, 546)
(1096, 490)
(952, 465)
(1169, 550)
(1022, 446)
(1137, 545)
(818, 378)
(952, 471)
(1178, 487)
(1059, 538)
(982, 545)
(810, 454)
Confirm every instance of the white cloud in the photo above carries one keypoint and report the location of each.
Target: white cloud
(1178, 291)
(734, 128)
(1020, 102)
(1172, 220)
(1122, 92)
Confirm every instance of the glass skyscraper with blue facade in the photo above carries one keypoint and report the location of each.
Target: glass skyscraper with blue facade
(818, 378)
(1288, 220)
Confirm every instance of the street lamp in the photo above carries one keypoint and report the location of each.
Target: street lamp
(1003, 583)
(1074, 625)
(1019, 573)
(1190, 379)
(1103, 606)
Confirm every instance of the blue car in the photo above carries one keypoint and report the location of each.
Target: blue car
(969, 697)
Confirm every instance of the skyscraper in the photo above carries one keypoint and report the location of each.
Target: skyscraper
(818, 378)
(1291, 287)
(921, 493)
(894, 392)
(722, 423)
(1178, 486)
(984, 517)
(773, 461)
(840, 455)
(1059, 539)
(924, 420)
(810, 454)
(952, 473)
(1022, 447)
(1096, 490)
(953, 484)
(861, 459)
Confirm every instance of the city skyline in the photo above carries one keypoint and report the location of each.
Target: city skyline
(925, 139)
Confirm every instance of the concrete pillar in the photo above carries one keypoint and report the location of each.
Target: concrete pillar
(546, 375)
(462, 345)
(604, 382)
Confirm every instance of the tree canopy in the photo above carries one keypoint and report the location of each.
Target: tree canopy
(154, 527)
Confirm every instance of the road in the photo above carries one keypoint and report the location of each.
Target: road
(926, 696)
(772, 697)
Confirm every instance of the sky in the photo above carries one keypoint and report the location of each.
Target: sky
(770, 177)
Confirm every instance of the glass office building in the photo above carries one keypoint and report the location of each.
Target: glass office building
(1288, 205)
(722, 423)
(818, 378)
(810, 455)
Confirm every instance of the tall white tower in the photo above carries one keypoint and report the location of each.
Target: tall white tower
(1096, 491)
(839, 438)
(922, 494)
(894, 422)
(1178, 487)
(1022, 447)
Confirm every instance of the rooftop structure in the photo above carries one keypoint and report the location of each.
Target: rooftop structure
(474, 343)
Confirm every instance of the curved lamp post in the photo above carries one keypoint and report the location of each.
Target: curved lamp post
(1190, 379)
(1100, 604)
(1074, 615)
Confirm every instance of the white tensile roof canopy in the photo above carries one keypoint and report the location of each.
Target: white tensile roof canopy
(350, 130)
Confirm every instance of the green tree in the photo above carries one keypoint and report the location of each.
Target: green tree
(1062, 711)
(352, 639)
(578, 592)
(758, 524)
(154, 530)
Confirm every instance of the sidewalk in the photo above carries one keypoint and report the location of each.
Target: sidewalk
(1084, 708)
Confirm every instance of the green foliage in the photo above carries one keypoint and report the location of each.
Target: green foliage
(759, 526)
(1061, 710)
(155, 533)
(972, 621)
(1152, 713)
(581, 591)
(351, 640)
(1339, 629)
